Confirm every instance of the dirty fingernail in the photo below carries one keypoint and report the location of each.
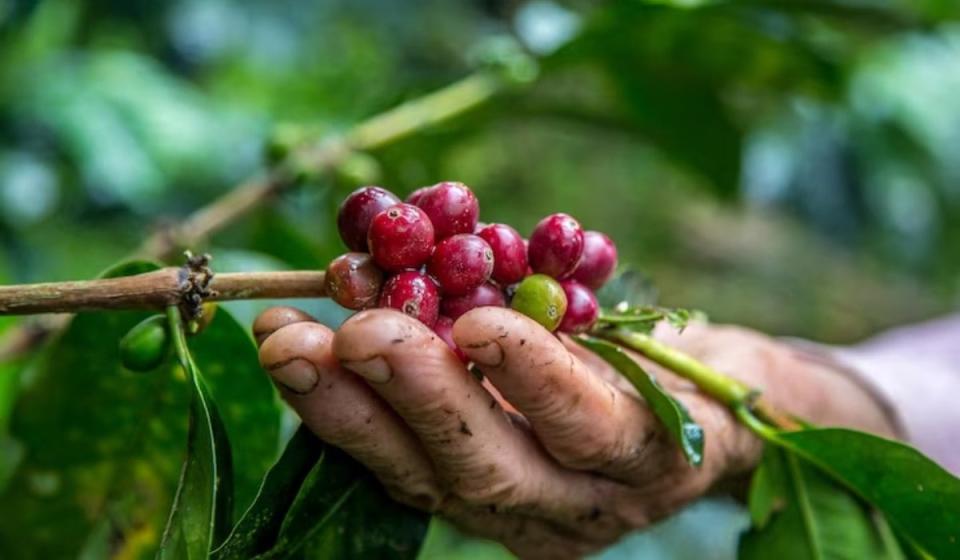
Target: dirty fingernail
(375, 370)
(300, 376)
(488, 353)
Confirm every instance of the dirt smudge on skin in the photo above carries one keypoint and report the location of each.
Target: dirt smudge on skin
(397, 341)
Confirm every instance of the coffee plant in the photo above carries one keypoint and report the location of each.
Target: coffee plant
(149, 331)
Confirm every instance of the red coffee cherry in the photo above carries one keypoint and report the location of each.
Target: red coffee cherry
(509, 253)
(400, 237)
(414, 197)
(356, 212)
(484, 295)
(413, 293)
(452, 208)
(353, 280)
(599, 260)
(556, 246)
(461, 263)
(444, 329)
(582, 308)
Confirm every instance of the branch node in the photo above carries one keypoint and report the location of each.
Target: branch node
(195, 277)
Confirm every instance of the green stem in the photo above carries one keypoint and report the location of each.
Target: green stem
(748, 419)
(629, 319)
(179, 338)
(729, 391)
(426, 111)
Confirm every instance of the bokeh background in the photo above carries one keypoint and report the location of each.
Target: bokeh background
(784, 164)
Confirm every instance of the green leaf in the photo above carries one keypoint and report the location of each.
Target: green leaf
(687, 433)
(357, 519)
(259, 527)
(799, 513)
(341, 512)
(919, 498)
(100, 445)
(227, 355)
(317, 502)
(629, 287)
(201, 509)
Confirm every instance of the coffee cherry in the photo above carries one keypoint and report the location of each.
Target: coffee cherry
(414, 197)
(413, 293)
(452, 208)
(444, 329)
(484, 295)
(146, 345)
(461, 263)
(509, 253)
(353, 280)
(598, 262)
(400, 237)
(541, 298)
(199, 323)
(556, 246)
(356, 212)
(582, 307)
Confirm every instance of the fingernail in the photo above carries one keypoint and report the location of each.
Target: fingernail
(375, 370)
(488, 354)
(299, 376)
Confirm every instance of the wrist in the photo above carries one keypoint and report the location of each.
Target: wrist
(824, 392)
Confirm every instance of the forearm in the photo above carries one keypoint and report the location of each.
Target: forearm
(916, 369)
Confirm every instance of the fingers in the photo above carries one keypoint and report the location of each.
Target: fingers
(343, 411)
(276, 317)
(582, 420)
(480, 456)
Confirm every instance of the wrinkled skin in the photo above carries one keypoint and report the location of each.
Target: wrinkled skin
(553, 454)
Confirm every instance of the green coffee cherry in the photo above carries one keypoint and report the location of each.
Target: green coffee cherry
(207, 314)
(145, 346)
(542, 299)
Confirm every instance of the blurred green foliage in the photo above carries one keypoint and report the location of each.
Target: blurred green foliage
(784, 164)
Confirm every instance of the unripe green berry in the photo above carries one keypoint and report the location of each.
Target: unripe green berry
(541, 298)
(207, 313)
(146, 345)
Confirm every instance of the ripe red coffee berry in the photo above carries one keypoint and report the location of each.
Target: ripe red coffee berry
(413, 197)
(356, 212)
(400, 237)
(413, 293)
(582, 308)
(509, 253)
(444, 329)
(353, 280)
(461, 263)
(484, 295)
(598, 262)
(555, 246)
(452, 208)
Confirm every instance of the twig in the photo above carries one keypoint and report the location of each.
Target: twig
(316, 159)
(155, 290)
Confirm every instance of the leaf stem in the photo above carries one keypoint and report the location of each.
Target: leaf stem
(729, 391)
(179, 338)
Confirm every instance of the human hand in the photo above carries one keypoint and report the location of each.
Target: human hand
(553, 454)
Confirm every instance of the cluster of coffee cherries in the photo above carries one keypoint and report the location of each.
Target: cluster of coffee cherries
(431, 258)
